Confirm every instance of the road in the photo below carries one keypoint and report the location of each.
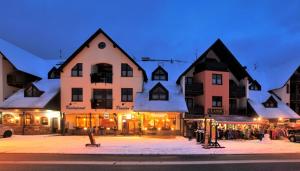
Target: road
(51, 162)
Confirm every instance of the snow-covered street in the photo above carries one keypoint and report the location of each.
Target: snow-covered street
(137, 145)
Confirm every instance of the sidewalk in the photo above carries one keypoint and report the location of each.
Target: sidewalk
(138, 145)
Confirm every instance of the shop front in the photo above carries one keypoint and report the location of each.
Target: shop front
(129, 123)
(31, 122)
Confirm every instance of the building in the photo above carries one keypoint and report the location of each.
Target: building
(289, 92)
(28, 99)
(99, 82)
(216, 85)
(161, 104)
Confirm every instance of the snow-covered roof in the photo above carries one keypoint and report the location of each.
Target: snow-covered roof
(50, 87)
(256, 98)
(26, 61)
(176, 102)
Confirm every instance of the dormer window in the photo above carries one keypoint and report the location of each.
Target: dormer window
(53, 73)
(159, 92)
(270, 103)
(32, 91)
(126, 70)
(160, 74)
(255, 86)
(77, 70)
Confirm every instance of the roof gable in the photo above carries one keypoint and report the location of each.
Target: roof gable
(25, 61)
(86, 44)
(226, 57)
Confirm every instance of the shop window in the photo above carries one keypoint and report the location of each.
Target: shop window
(159, 92)
(159, 122)
(127, 95)
(85, 121)
(126, 70)
(217, 79)
(9, 119)
(188, 80)
(160, 74)
(217, 101)
(32, 91)
(44, 120)
(77, 70)
(29, 120)
(77, 94)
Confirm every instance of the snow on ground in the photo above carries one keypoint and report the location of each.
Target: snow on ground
(137, 145)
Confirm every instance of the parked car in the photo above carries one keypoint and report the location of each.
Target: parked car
(294, 135)
(6, 131)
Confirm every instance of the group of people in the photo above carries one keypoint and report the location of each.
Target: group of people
(248, 133)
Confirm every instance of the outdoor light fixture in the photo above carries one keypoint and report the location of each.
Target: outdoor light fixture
(85, 128)
(37, 118)
(254, 119)
(159, 129)
(145, 129)
(107, 128)
(172, 129)
(280, 119)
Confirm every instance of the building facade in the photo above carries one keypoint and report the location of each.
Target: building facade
(216, 85)
(98, 85)
(289, 93)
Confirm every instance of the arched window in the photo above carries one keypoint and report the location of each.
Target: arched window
(101, 73)
(160, 74)
(158, 92)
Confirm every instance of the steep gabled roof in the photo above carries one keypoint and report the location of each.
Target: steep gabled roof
(284, 82)
(226, 57)
(86, 43)
(25, 61)
(50, 87)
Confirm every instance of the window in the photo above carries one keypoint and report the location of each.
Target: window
(32, 91)
(53, 73)
(77, 70)
(101, 45)
(217, 79)
(188, 80)
(102, 99)
(159, 92)
(126, 95)
(29, 119)
(159, 74)
(76, 94)
(270, 103)
(44, 120)
(217, 101)
(189, 103)
(126, 70)
(102, 73)
(287, 88)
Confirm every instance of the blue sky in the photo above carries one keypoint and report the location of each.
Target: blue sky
(262, 33)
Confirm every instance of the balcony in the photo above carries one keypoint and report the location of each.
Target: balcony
(215, 111)
(196, 110)
(237, 92)
(194, 89)
(295, 97)
(101, 78)
(101, 103)
(235, 111)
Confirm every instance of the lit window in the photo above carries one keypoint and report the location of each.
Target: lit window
(160, 74)
(159, 92)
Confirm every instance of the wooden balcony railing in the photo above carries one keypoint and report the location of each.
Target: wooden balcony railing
(194, 89)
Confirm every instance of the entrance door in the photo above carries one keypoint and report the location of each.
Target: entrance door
(129, 127)
(54, 125)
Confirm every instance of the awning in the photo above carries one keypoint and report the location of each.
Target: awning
(233, 119)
